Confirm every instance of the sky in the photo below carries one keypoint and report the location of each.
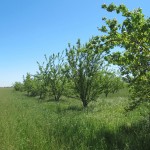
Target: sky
(29, 29)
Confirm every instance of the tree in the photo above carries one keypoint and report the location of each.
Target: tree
(54, 74)
(117, 84)
(85, 65)
(110, 82)
(133, 34)
(18, 86)
(36, 89)
(28, 83)
(42, 79)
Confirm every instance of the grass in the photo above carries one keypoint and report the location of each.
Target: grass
(27, 124)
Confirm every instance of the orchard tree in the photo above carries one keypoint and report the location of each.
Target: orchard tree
(27, 81)
(85, 65)
(18, 86)
(31, 85)
(36, 88)
(55, 74)
(110, 82)
(42, 79)
(41, 86)
(133, 35)
(107, 83)
(118, 84)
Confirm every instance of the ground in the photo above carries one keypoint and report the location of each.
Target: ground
(29, 124)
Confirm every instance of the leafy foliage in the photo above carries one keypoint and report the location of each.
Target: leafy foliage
(133, 34)
(28, 83)
(111, 83)
(18, 86)
(84, 67)
(55, 74)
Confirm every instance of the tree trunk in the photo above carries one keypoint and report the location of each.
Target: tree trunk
(106, 94)
(85, 103)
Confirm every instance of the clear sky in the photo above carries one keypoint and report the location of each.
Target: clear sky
(31, 28)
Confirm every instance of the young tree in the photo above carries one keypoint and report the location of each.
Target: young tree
(36, 89)
(133, 34)
(118, 84)
(42, 79)
(107, 83)
(110, 82)
(55, 75)
(18, 86)
(85, 65)
(28, 83)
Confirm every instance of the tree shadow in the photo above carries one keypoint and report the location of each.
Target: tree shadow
(131, 137)
(74, 108)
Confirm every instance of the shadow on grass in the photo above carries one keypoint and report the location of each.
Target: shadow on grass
(79, 133)
(131, 137)
(74, 108)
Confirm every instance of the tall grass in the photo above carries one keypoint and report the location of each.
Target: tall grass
(26, 124)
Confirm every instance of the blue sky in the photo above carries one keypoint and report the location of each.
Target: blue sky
(31, 28)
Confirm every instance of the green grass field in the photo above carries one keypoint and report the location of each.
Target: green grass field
(28, 124)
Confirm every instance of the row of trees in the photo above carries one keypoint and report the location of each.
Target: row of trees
(83, 70)
(80, 72)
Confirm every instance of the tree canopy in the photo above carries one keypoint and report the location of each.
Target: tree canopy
(133, 35)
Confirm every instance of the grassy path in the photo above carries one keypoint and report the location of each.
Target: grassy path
(21, 123)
